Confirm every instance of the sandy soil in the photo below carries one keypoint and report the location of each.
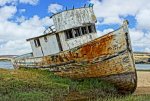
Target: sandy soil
(143, 85)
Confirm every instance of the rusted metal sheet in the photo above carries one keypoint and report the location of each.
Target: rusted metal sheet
(73, 18)
(108, 57)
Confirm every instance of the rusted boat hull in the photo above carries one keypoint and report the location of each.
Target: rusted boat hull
(108, 57)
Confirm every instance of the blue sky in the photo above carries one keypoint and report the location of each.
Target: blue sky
(42, 6)
(23, 19)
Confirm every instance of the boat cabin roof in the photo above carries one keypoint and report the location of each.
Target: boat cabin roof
(69, 10)
(55, 30)
(40, 36)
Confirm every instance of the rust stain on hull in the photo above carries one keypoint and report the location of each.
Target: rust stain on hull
(108, 57)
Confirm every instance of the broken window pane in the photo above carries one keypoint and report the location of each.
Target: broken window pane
(90, 29)
(37, 42)
(69, 34)
(76, 32)
(84, 31)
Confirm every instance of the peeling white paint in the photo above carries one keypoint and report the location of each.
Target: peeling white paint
(73, 18)
(37, 52)
(47, 47)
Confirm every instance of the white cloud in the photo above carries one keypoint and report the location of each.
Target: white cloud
(140, 39)
(14, 47)
(147, 49)
(4, 2)
(143, 18)
(7, 12)
(20, 19)
(112, 19)
(27, 28)
(18, 33)
(106, 31)
(14, 30)
(54, 8)
(31, 2)
(111, 10)
(136, 34)
(14, 2)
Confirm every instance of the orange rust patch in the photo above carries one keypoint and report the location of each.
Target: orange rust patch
(97, 48)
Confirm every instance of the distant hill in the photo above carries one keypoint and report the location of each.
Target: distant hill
(142, 57)
(6, 57)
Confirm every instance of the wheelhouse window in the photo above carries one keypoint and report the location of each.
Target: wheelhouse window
(91, 29)
(75, 32)
(84, 30)
(37, 42)
(69, 34)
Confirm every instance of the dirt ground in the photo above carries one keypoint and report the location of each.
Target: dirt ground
(143, 85)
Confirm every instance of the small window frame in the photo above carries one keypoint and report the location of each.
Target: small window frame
(37, 43)
(69, 34)
(91, 28)
(79, 31)
(76, 32)
(84, 30)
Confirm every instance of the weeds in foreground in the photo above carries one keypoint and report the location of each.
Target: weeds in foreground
(41, 85)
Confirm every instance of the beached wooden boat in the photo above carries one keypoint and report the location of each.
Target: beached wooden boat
(108, 57)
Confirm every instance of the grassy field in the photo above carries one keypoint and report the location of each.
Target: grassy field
(38, 85)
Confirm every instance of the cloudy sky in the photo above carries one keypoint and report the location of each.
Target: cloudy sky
(23, 19)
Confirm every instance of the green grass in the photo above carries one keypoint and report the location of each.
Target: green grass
(5, 60)
(143, 70)
(41, 85)
(125, 98)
